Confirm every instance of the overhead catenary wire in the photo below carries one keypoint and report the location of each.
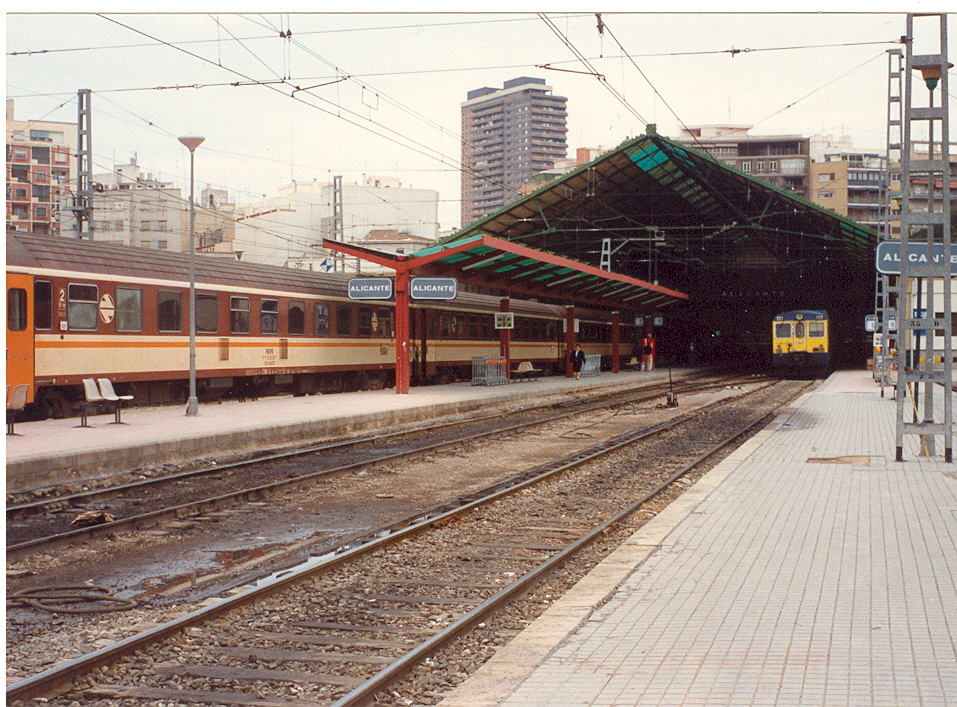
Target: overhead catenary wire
(280, 82)
(358, 121)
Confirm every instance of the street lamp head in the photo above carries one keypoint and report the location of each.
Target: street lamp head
(931, 73)
(192, 142)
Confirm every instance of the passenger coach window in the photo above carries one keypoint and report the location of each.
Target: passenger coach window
(344, 321)
(43, 305)
(322, 319)
(815, 329)
(365, 321)
(782, 330)
(169, 311)
(82, 302)
(239, 315)
(297, 317)
(269, 316)
(799, 330)
(129, 309)
(16, 309)
(384, 324)
(207, 313)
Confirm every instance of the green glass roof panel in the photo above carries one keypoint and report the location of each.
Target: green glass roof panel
(457, 257)
(446, 246)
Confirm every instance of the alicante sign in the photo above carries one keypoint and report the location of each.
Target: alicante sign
(434, 288)
(889, 256)
(370, 288)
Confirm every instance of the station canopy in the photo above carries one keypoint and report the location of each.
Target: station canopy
(485, 261)
(668, 213)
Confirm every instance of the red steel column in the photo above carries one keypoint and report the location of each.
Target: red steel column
(505, 338)
(569, 340)
(615, 342)
(403, 366)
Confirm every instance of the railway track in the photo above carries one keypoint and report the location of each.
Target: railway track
(45, 524)
(343, 627)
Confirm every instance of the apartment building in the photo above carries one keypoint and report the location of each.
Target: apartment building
(781, 160)
(508, 136)
(40, 169)
(131, 207)
(850, 184)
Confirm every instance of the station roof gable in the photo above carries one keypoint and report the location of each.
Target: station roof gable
(684, 204)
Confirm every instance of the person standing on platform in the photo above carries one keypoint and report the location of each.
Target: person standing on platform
(578, 361)
(646, 355)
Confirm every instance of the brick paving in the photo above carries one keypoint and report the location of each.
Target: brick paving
(809, 568)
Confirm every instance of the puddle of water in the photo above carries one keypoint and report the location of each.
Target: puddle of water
(223, 561)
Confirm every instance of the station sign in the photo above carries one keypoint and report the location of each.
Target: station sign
(370, 288)
(433, 288)
(889, 256)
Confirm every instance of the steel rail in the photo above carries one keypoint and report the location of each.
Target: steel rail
(192, 508)
(58, 676)
(363, 694)
(286, 453)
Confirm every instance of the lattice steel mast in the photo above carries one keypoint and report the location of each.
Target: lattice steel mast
(925, 279)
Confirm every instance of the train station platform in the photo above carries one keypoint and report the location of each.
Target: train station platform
(50, 452)
(807, 568)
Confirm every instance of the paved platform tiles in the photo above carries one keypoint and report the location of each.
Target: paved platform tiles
(57, 451)
(808, 568)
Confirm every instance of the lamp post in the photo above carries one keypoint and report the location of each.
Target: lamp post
(192, 404)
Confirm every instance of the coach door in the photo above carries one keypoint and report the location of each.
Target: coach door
(800, 336)
(20, 331)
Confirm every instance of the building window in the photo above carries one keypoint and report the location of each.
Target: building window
(82, 305)
(269, 316)
(169, 311)
(207, 313)
(46, 136)
(129, 309)
(43, 305)
(239, 315)
(825, 195)
(759, 167)
(40, 155)
(792, 167)
(297, 317)
(746, 166)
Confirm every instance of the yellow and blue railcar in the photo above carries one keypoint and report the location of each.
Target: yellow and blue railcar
(799, 341)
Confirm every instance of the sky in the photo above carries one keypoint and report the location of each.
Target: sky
(370, 93)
